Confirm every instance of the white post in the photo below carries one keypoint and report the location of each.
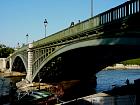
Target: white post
(30, 61)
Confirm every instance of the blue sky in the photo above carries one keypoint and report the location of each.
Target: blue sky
(19, 17)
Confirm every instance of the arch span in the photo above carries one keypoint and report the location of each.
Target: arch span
(110, 43)
(19, 63)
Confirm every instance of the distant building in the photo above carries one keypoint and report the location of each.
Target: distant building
(119, 66)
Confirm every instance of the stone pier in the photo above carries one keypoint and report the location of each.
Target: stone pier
(30, 65)
(2, 64)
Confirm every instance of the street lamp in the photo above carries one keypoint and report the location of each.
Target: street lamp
(45, 24)
(39, 80)
(27, 38)
(91, 8)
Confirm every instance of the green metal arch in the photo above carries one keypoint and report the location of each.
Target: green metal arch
(95, 42)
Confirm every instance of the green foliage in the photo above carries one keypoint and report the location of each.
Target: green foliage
(2, 46)
(5, 51)
(132, 61)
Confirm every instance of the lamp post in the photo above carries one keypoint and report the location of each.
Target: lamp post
(39, 80)
(27, 38)
(45, 24)
(91, 8)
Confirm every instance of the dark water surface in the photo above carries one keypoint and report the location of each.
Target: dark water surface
(5, 83)
(5, 88)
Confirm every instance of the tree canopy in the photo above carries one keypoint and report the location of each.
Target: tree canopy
(132, 61)
(5, 51)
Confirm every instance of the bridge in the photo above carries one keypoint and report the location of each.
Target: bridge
(82, 49)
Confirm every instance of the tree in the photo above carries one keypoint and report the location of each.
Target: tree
(132, 61)
(5, 51)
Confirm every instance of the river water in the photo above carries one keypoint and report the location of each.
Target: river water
(105, 79)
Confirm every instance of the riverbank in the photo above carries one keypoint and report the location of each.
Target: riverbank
(8, 74)
(122, 67)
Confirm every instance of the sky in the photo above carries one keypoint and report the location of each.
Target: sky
(21, 17)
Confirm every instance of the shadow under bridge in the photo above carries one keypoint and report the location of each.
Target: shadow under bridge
(83, 63)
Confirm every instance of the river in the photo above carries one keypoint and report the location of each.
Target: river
(105, 79)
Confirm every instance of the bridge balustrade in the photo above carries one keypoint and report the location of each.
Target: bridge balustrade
(121, 11)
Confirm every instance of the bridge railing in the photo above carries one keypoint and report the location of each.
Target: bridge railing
(120, 12)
